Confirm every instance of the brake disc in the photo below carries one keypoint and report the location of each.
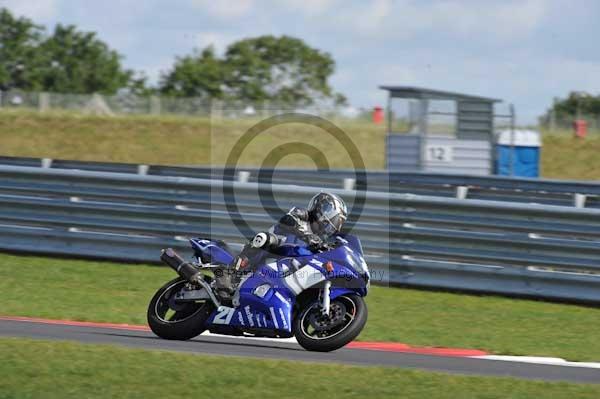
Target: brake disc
(321, 322)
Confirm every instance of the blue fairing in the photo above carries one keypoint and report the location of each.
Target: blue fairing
(267, 296)
(216, 251)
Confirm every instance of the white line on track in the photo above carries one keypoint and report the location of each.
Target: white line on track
(246, 337)
(553, 361)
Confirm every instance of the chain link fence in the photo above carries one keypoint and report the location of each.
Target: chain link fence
(126, 103)
(556, 123)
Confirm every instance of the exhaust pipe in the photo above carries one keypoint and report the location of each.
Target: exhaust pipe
(188, 271)
(176, 262)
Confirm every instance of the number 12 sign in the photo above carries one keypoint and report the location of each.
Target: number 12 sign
(438, 153)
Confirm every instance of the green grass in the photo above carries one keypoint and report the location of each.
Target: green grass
(564, 157)
(103, 291)
(173, 140)
(188, 140)
(40, 369)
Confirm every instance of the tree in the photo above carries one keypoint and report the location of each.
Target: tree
(283, 70)
(198, 75)
(584, 103)
(138, 85)
(340, 100)
(20, 60)
(78, 62)
(68, 61)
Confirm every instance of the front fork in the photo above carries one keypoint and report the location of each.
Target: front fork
(326, 300)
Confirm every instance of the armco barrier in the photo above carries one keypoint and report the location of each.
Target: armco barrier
(495, 188)
(486, 246)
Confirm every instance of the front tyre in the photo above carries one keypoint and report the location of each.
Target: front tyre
(346, 319)
(170, 319)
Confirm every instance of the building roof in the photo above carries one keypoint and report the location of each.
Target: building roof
(419, 92)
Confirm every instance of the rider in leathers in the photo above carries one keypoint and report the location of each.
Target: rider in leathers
(300, 227)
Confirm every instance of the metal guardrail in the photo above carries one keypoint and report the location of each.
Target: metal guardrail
(495, 188)
(486, 246)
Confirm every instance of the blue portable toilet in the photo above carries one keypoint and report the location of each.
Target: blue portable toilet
(526, 156)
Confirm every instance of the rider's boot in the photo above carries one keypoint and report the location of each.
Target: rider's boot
(227, 279)
(224, 284)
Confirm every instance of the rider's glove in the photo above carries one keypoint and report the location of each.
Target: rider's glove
(314, 241)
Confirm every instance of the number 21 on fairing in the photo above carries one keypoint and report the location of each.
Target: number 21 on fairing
(224, 316)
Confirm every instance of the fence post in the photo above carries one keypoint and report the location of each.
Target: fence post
(349, 183)
(46, 163)
(142, 170)
(243, 176)
(155, 105)
(512, 140)
(553, 115)
(579, 200)
(216, 109)
(462, 192)
(43, 102)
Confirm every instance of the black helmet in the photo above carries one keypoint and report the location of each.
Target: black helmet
(328, 213)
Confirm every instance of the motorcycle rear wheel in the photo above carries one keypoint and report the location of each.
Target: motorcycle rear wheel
(314, 334)
(177, 321)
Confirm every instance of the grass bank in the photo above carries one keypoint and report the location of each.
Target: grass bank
(565, 157)
(103, 291)
(39, 369)
(176, 140)
(188, 140)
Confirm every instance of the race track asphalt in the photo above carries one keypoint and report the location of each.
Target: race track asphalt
(228, 346)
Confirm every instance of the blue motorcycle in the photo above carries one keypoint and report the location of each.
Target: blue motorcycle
(316, 297)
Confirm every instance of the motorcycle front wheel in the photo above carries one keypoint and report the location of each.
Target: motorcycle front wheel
(170, 319)
(324, 333)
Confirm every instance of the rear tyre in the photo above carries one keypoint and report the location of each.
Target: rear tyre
(174, 320)
(347, 317)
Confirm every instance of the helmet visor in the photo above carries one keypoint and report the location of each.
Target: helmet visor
(332, 219)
